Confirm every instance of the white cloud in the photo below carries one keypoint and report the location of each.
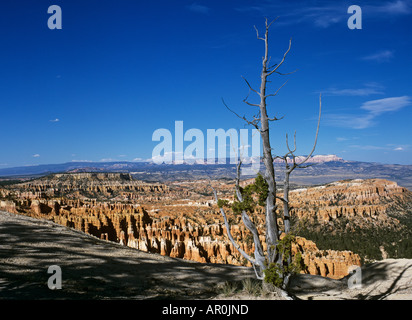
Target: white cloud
(374, 109)
(327, 20)
(349, 121)
(198, 8)
(388, 147)
(368, 147)
(398, 7)
(55, 120)
(324, 14)
(400, 147)
(342, 139)
(377, 107)
(167, 157)
(352, 92)
(108, 160)
(36, 155)
(321, 16)
(369, 88)
(380, 56)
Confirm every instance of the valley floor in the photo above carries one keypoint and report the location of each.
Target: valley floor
(97, 269)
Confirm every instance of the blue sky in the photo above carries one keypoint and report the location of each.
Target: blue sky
(99, 87)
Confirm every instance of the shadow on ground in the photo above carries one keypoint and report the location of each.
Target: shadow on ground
(96, 269)
(387, 279)
(384, 279)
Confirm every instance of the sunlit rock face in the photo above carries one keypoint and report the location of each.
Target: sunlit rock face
(181, 220)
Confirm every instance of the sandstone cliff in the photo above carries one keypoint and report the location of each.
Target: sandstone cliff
(178, 237)
(368, 199)
(174, 221)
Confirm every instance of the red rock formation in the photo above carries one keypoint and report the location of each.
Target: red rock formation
(9, 206)
(327, 263)
(193, 229)
(354, 198)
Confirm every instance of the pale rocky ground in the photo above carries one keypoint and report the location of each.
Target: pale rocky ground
(98, 269)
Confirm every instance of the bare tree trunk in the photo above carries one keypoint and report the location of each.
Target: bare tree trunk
(259, 260)
(289, 169)
(272, 228)
(286, 213)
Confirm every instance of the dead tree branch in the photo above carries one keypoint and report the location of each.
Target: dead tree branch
(274, 94)
(250, 87)
(283, 59)
(259, 260)
(254, 122)
(261, 122)
(291, 152)
(293, 166)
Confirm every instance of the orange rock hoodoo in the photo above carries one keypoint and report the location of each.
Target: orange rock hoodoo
(193, 229)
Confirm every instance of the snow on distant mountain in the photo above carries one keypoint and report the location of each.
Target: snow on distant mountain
(315, 159)
(248, 160)
(325, 169)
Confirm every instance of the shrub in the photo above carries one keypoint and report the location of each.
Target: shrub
(229, 288)
(276, 273)
(252, 286)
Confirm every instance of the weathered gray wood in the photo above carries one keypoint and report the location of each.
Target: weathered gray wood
(261, 122)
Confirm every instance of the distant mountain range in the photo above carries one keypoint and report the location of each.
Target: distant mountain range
(323, 169)
(315, 159)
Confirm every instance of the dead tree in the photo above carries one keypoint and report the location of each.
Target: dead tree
(289, 167)
(261, 260)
